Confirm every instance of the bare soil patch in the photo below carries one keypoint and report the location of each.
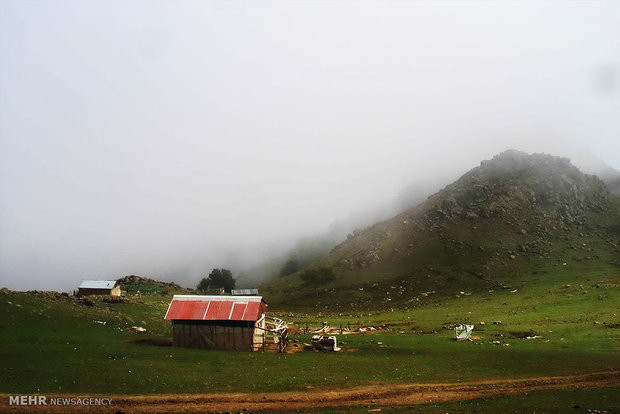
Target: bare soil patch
(375, 395)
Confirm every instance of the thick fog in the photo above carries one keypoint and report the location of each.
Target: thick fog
(164, 139)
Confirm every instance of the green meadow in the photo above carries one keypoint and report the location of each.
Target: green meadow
(60, 345)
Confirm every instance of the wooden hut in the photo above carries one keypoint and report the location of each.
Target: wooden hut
(99, 287)
(218, 322)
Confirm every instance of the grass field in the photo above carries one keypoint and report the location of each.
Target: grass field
(56, 345)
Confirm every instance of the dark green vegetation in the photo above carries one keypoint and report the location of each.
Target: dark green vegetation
(290, 266)
(317, 277)
(218, 278)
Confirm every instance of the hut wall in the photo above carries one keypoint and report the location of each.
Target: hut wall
(226, 335)
(87, 292)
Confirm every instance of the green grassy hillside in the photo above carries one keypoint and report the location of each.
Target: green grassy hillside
(515, 220)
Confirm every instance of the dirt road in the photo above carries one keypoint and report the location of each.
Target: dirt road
(375, 395)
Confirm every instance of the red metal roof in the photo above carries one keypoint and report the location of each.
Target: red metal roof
(215, 308)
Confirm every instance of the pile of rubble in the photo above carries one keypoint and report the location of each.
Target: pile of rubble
(348, 330)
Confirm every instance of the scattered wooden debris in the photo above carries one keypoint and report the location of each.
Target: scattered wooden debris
(275, 333)
(136, 329)
(349, 329)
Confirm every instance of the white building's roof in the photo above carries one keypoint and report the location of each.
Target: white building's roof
(97, 284)
(243, 292)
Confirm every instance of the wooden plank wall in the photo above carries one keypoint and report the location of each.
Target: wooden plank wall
(213, 337)
(87, 292)
(259, 340)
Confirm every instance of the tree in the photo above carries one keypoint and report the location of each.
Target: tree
(316, 277)
(204, 284)
(218, 278)
(291, 266)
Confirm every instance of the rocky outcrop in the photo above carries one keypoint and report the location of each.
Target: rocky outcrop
(139, 280)
(514, 183)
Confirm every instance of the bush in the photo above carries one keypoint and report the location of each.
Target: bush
(316, 277)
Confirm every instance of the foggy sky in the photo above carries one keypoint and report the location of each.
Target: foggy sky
(167, 138)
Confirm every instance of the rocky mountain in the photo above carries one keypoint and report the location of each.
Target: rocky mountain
(507, 216)
(540, 191)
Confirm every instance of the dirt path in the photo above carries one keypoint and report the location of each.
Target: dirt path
(375, 395)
